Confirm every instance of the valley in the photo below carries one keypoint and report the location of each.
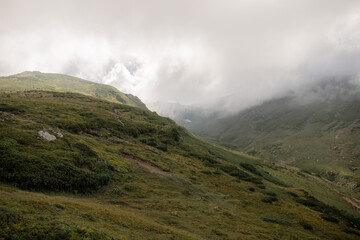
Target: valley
(179, 120)
(318, 135)
(79, 167)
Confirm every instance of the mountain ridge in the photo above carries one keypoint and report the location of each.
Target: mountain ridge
(35, 80)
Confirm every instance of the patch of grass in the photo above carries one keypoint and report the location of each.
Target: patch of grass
(276, 219)
(219, 233)
(15, 226)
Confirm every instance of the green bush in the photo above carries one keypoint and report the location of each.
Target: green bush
(329, 213)
(306, 225)
(270, 199)
(8, 217)
(12, 109)
(250, 168)
(329, 218)
(276, 219)
(85, 150)
(163, 147)
(293, 194)
(236, 172)
(45, 170)
(45, 229)
(351, 231)
(272, 194)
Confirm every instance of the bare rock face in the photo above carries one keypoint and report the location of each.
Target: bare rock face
(47, 136)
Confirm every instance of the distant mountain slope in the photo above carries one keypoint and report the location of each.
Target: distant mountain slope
(58, 82)
(318, 132)
(186, 115)
(104, 170)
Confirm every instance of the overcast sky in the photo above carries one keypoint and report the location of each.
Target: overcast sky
(188, 51)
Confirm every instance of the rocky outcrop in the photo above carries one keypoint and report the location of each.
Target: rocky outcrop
(50, 137)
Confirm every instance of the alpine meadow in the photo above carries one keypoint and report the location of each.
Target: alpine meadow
(179, 120)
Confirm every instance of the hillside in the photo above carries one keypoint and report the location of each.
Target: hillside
(317, 132)
(186, 115)
(77, 167)
(27, 81)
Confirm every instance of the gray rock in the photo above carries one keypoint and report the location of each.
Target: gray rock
(47, 136)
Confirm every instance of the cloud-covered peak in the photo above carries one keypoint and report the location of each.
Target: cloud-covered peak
(192, 52)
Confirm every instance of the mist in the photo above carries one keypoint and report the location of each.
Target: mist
(225, 54)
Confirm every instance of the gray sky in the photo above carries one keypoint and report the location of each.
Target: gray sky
(188, 51)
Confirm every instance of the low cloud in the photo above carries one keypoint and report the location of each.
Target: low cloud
(192, 52)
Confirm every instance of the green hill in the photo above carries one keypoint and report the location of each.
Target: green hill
(78, 167)
(318, 132)
(63, 83)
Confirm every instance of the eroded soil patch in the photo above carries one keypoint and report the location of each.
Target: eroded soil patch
(146, 165)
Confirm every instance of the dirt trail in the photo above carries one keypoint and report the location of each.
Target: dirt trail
(146, 165)
(351, 200)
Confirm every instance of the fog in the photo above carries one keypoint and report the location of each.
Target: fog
(200, 52)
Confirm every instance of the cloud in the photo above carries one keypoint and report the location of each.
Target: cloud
(122, 77)
(195, 51)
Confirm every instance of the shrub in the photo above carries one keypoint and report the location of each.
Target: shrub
(236, 172)
(306, 225)
(207, 172)
(292, 194)
(329, 213)
(276, 219)
(270, 199)
(47, 229)
(351, 231)
(8, 217)
(265, 175)
(250, 168)
(300, 174)
(272, 194)
(219, 233)
(329, 218)
(56, 171)
(175, 134)
(162, 147)
(252, 152)
(7, 108)
(85, 150)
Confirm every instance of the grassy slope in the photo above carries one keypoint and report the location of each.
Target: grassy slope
(207, 193)
(58, 82)
(321, 137)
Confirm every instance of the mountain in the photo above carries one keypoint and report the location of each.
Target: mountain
(28, 81)
(186, 115)
(78, 167)
(316, 130)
